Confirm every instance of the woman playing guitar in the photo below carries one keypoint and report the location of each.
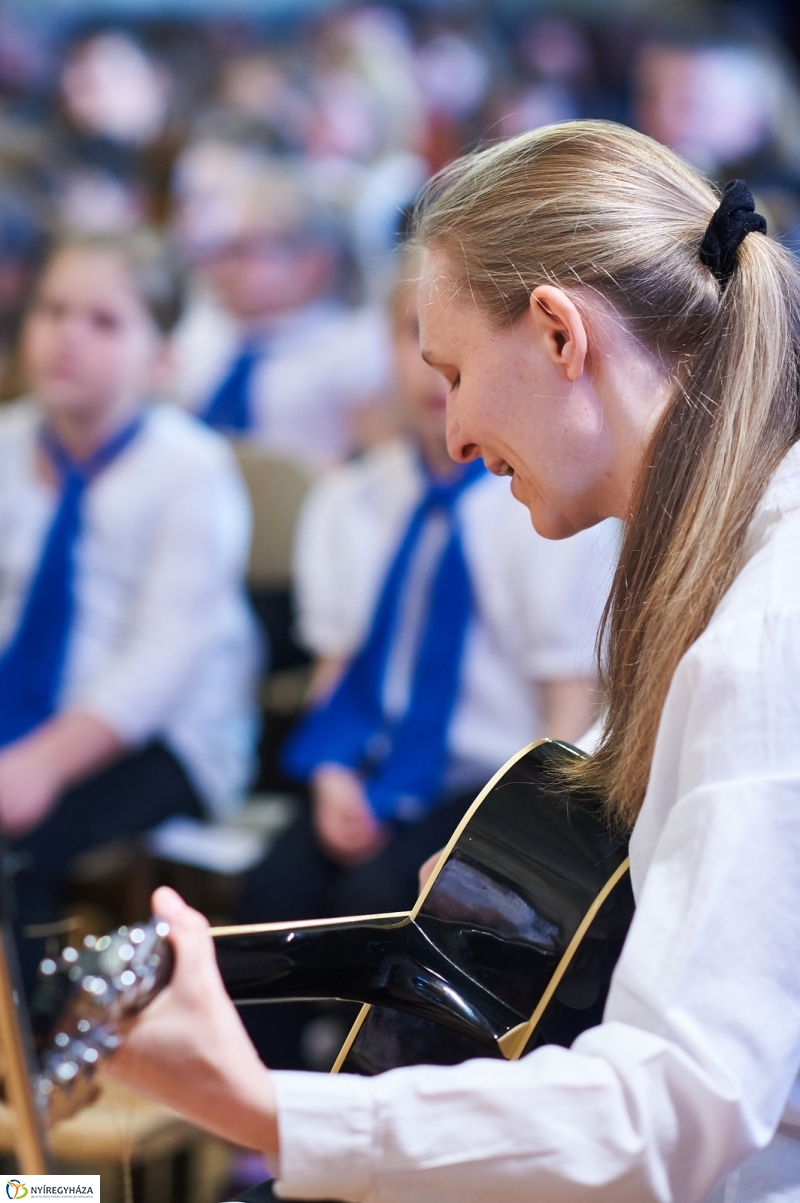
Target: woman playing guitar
(620, 343)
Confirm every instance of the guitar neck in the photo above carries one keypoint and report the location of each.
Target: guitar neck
(383, 960)
(315, 959)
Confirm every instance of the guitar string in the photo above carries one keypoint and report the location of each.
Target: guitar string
(126, 1143)
(127, 1139)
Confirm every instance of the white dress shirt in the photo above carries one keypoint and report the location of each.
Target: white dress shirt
(537, 603)
(696, 1063)
(320, 365)
(162, 645)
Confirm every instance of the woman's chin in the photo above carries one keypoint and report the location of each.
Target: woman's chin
(550, 524)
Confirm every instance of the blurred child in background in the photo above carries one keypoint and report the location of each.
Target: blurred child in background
(730, 104)
(22, 245)
(114, 145)
(448, 635)
(273, 355)
(126, 650)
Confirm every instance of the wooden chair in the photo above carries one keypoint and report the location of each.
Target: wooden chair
(277, 489)
(144, 1152)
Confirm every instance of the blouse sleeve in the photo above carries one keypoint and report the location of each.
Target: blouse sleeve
(692, 1067)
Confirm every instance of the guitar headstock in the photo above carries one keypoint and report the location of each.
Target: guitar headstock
(95, 990)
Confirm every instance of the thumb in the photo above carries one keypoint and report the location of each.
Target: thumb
(191, 942)
(168, 905)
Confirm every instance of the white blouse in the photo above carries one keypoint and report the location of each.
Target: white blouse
(321, 364)
(537, 602)
(163, 644)
(693, 1075)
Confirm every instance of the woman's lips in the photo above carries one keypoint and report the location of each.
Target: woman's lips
(499, 467)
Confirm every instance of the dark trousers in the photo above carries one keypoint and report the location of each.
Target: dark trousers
(298, 881)
(135, 793)
(257, 1194)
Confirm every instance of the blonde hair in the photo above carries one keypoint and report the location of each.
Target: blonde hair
(597, 205)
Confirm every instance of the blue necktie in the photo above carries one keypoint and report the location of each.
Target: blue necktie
(32, 664)
(230, 409)
(403, 755)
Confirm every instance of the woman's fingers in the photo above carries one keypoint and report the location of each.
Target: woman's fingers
(188, 1048)
(426, 869)
(168, 905)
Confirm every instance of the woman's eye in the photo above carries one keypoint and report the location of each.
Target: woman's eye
(455, 383)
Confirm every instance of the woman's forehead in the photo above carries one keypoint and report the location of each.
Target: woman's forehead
(434, 280)
(447, 322)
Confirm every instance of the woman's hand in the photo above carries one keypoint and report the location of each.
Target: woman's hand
(343, 820)
(188, 1048)
(426, 868)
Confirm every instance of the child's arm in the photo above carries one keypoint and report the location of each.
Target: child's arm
(343, 819)
(35, 770)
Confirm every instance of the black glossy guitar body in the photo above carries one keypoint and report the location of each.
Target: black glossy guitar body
(512, 944)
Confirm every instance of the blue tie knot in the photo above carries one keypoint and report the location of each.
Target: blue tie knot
(230, 408)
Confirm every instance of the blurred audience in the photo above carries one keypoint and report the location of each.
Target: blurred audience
(128, 655)
(264, 87)
(114, 151)
(269, 350)
(732, 108)
(371, 99)
(448, 635)
(377, 96)
(112, 89)
(22, 246)
(365, 101)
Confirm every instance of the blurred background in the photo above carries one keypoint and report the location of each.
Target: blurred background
(114, 114)
(278, 145)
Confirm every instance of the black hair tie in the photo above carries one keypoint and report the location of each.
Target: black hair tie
(735, 218)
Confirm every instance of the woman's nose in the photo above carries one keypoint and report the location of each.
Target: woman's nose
(459, 446)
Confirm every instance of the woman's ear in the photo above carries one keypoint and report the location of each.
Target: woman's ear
(560, 326)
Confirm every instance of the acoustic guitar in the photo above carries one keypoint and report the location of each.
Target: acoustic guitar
(511, 944)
